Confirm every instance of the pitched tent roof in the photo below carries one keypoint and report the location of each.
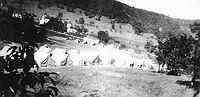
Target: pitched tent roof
(97, 60)
(111, 62)
(48, 62)
(67, 61)
(84, 62)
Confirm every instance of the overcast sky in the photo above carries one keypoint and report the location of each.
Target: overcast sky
(183, 9)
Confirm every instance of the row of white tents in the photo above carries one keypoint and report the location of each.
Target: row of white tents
(106, 57)
(48, 57)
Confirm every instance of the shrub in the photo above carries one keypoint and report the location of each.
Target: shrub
(123, 46)
(120, 26)
(149, 47)
(83, 29)
(81, 21)
(103, 36)
(60, 15)
(16, 78)
(91, 23)
(39, 6)
(98, 18)
(113, 26)
(91, 16)
(80, 11)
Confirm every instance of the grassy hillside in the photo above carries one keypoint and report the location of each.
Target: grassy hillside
(142, 21)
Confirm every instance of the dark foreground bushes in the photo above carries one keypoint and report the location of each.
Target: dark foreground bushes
(18, 80)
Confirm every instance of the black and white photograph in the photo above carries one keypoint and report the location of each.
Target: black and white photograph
(99, 48)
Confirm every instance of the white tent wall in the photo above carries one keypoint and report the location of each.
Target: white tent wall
(4, 52)
(105, 54)
(121, 59)
(41, 54)
(75, 56)
(44, 49)
(58, 55)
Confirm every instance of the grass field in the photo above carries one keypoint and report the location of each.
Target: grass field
(117, 82)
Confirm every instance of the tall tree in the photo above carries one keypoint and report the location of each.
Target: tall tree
(180, 54)
(195, 28)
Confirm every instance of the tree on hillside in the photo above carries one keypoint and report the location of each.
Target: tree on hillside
(195, 28)
(179, 54)
(103, 36)
(138, 27)
(149, 46)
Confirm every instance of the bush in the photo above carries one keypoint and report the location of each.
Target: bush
(60, 15)
(81, 21)
(80, 11)
(39, 6)
(113, 26)
(20, 29)
(98, 18)
(120, 26)
(91, 23)
(103, 36)
(83, 29)
(123, 46)
(149, 47)
(16, 78)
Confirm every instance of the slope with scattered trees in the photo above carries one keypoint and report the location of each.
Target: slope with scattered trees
(182, 56)
(142, 21)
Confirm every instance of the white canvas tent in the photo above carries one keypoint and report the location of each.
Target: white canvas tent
(84, 62)
(41, 54)
(75, 56)
(116, 57)
(59, 55)
(97, 60)
(48, 62)
(111, 62)
(67, 61)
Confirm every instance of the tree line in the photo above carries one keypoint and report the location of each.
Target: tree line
(181, 54)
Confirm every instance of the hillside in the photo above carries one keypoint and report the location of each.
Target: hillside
(131, 26)
(142, 21)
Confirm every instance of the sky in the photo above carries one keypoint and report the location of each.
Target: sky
(182, 9)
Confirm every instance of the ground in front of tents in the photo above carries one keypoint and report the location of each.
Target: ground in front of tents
(117, 82)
